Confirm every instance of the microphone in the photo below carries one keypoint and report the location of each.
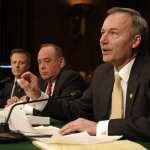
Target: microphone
(8, 136)
(3, 81)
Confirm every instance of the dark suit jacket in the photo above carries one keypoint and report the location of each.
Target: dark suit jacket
(5, 92)
(95, 103)
(68, 81)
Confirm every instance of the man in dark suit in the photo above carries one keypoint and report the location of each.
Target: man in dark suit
(53, 68)
(55, 73)
(123, 32)
(20, 63)
(66, 82)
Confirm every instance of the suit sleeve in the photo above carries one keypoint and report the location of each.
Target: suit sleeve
(68, 82)
(65, 110)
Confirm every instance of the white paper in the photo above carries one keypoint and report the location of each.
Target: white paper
(3, 115)
(81, 138)
(38, 120)
(46, 130)
(77, 138)
(19, 122)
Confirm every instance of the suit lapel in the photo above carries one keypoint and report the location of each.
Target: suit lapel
(133, 86)
(57, 88)
(59, 82)
(9, 88)
(104, 87)
(43, 84)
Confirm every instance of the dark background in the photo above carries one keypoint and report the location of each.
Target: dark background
(29, 23)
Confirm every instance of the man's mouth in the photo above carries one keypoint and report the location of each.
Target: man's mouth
(44, 73)
(106, 51)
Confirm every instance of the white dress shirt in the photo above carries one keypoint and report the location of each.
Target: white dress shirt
(39, 105)
(13, 88)
(102, 126)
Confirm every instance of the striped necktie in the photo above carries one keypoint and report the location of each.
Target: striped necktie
(49, 88)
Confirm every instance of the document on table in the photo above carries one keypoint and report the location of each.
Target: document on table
(19, 122)
(115, 145)
(38, 120)
(83, 141)
(77, 138)
(81, 138)
(77, 141)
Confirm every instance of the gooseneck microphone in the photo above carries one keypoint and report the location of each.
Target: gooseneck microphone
(3, 81)
(8, 136)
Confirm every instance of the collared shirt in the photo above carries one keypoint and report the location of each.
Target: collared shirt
(13, 88)
(124, 73)
(39, 105)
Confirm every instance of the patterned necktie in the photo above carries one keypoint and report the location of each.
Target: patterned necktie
(49, 88)
(117, 99)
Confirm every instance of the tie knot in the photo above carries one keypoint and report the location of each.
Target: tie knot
(117, 78)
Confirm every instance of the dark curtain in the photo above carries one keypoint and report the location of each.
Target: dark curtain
(14, 26)
(29, 23)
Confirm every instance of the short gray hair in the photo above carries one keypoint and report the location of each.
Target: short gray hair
(140, 25)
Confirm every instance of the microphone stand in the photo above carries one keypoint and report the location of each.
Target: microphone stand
(8, 136)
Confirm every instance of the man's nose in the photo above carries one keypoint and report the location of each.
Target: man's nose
(42, 66)
(104, 39)
(17, 64)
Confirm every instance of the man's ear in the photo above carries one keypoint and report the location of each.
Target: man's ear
(62, 62)
(136, 41)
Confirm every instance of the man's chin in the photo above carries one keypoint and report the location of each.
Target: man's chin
(107, 59)
(17, 76)
(44, 77)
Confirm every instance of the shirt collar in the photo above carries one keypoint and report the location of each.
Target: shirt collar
(125, 71)
(15, 80)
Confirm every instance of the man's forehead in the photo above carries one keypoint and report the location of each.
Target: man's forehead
(18, 56)
(117, 20)
(49, 50)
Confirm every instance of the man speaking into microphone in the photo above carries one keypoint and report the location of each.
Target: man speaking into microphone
(125, 73)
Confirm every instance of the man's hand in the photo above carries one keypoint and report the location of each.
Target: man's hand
(29, 82)
(12, 100)
(79, 125)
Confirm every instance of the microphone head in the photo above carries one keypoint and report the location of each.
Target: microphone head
(3, 81)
